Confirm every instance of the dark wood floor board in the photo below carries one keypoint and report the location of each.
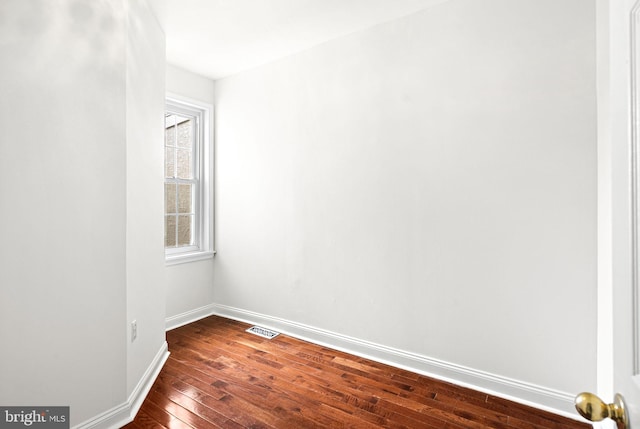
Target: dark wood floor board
(145, 421)
(448, 393)
(384, 377)
(520, 412)
(443, 391)
(287, 392)
(344, 402)
(282, 410)
(403, 396)
(445, 397)
(432, 417)
(219, 376)
(356, 385)
(260, 405)
(242, 381)
(183, 408)
(422, 411)
(325, 362)
(160, 415)
(322, 381)
(355, 379)
(246, 362)
(235, 407)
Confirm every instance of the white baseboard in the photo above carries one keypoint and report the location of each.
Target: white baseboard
(525, 393)
(188, 317)
(124, 413)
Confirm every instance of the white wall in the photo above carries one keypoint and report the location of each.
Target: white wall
(190, 285)
(146, 277)
(81, 207)
(63, 216)
(428, 185)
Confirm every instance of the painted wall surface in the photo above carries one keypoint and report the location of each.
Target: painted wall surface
(82, 202)
(146, 279)
(189, 285)
(63, 206)
(428, 184)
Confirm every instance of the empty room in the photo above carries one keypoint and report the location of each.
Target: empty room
(319, 213)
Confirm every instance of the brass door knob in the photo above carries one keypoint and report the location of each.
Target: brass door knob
(594, 409)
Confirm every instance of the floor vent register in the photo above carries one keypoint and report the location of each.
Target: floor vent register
(263, 332)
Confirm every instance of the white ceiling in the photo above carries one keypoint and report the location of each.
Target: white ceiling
(218, 38)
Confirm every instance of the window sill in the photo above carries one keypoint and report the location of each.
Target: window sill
(183, 258)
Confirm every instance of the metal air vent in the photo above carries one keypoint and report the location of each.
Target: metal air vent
(263, 332)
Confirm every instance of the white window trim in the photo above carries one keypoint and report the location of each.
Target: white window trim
(204, 202)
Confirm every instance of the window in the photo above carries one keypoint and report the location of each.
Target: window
(187, 165)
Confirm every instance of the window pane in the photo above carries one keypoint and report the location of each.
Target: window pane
(170, 231)
(184, 164)
(169, 162)
(184, 199)
(185, 131)
(170, 130)
(184, 230)
(170, 197)
(185, 203)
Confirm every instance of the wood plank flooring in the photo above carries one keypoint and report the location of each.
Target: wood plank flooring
(219, 376)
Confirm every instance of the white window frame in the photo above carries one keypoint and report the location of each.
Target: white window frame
(202, 167)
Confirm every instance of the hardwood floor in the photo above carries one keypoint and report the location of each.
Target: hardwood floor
(219, 376)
